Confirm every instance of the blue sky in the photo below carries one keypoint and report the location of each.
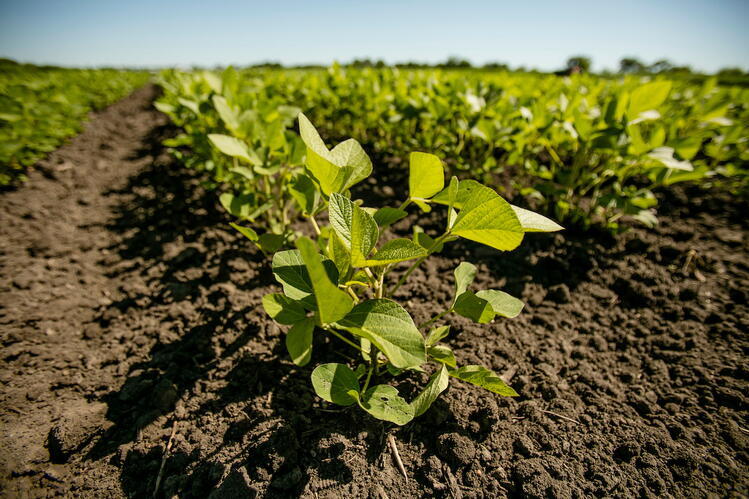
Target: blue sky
(707, 35)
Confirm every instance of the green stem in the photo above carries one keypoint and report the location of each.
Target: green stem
(344, 339)
(435, 318)
(314, 224)
(372, 363)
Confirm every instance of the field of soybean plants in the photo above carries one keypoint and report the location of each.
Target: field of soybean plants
(373, 282)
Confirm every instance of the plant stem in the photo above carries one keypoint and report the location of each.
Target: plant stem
(314, 224)
(372, 363)
(344, 339)
(435, 318)
(416, 264)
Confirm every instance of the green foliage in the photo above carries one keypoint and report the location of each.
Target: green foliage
(41, 107)
(339, 284)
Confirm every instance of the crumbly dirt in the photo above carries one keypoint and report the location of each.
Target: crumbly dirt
(135, 348)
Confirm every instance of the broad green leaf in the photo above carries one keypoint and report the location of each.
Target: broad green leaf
(533, 222)
(269, 242)
(465, 273)
(246, 232)
(385, 403)
(333, 382)
(472, 307)
(436, 335)
(289, 269)
(426, 175)
(283, 309)
(394, 251)
(332, 303)
(647, 97)
(389, 327)
(239, 206)
(452, 196)
(335, 170)
(231, 147)
(483, 377)
(357, 228)
(226, 112)
(387, 216)
(437, 384)
(299, 341)
(488, 219)
(443, 354)
(502, 303)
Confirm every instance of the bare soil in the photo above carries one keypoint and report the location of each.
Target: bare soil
(134, 347)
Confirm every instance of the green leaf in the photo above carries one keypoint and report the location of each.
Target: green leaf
(333, 382)
(483, 377)
(239, 206)
(283, 309)
(465, 273)
(452, 196)
(665, 156)
(385, 403)
(533, 222)
(231, 147)
(357, 228)
(299, 341)
(437, 384)
(436, 335)
(389, 327)
(303, 190)
(502, 303)
(647, 97)
(289, 269)
(332, 303)
(340, 254)
(443, 354)
(472, 307)
(394, 251)
(270, 243)
(246, 232)
(387, 216)
(426, 175)
(426, 241)
(335, 170)
(484, 216)
(228, 114)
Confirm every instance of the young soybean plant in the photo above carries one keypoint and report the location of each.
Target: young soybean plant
(337, 285)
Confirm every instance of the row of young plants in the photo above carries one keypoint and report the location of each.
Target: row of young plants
(344, 281)
(583, 149)
(41, 107)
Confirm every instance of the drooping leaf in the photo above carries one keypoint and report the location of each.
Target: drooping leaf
(304, 192)
(483, 377)
(270, 243)
(502, 303)
(426, 175)
(231, 146)
(389, 327)
(332, 303)
(472, 307)
(283, 309)
(334, 382)
(484, 216)
(246, 232)
(299, 341)
(437, 384)
(289, 270)
(436, 335)
(533, 222)
(443, 354)
(385, 403)
(356, 227)
(394, 251)
(465, 273)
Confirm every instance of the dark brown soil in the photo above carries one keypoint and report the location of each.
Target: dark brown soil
(130, 312)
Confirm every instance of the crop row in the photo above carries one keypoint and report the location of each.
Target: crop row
(41, 107)
(583, 149)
